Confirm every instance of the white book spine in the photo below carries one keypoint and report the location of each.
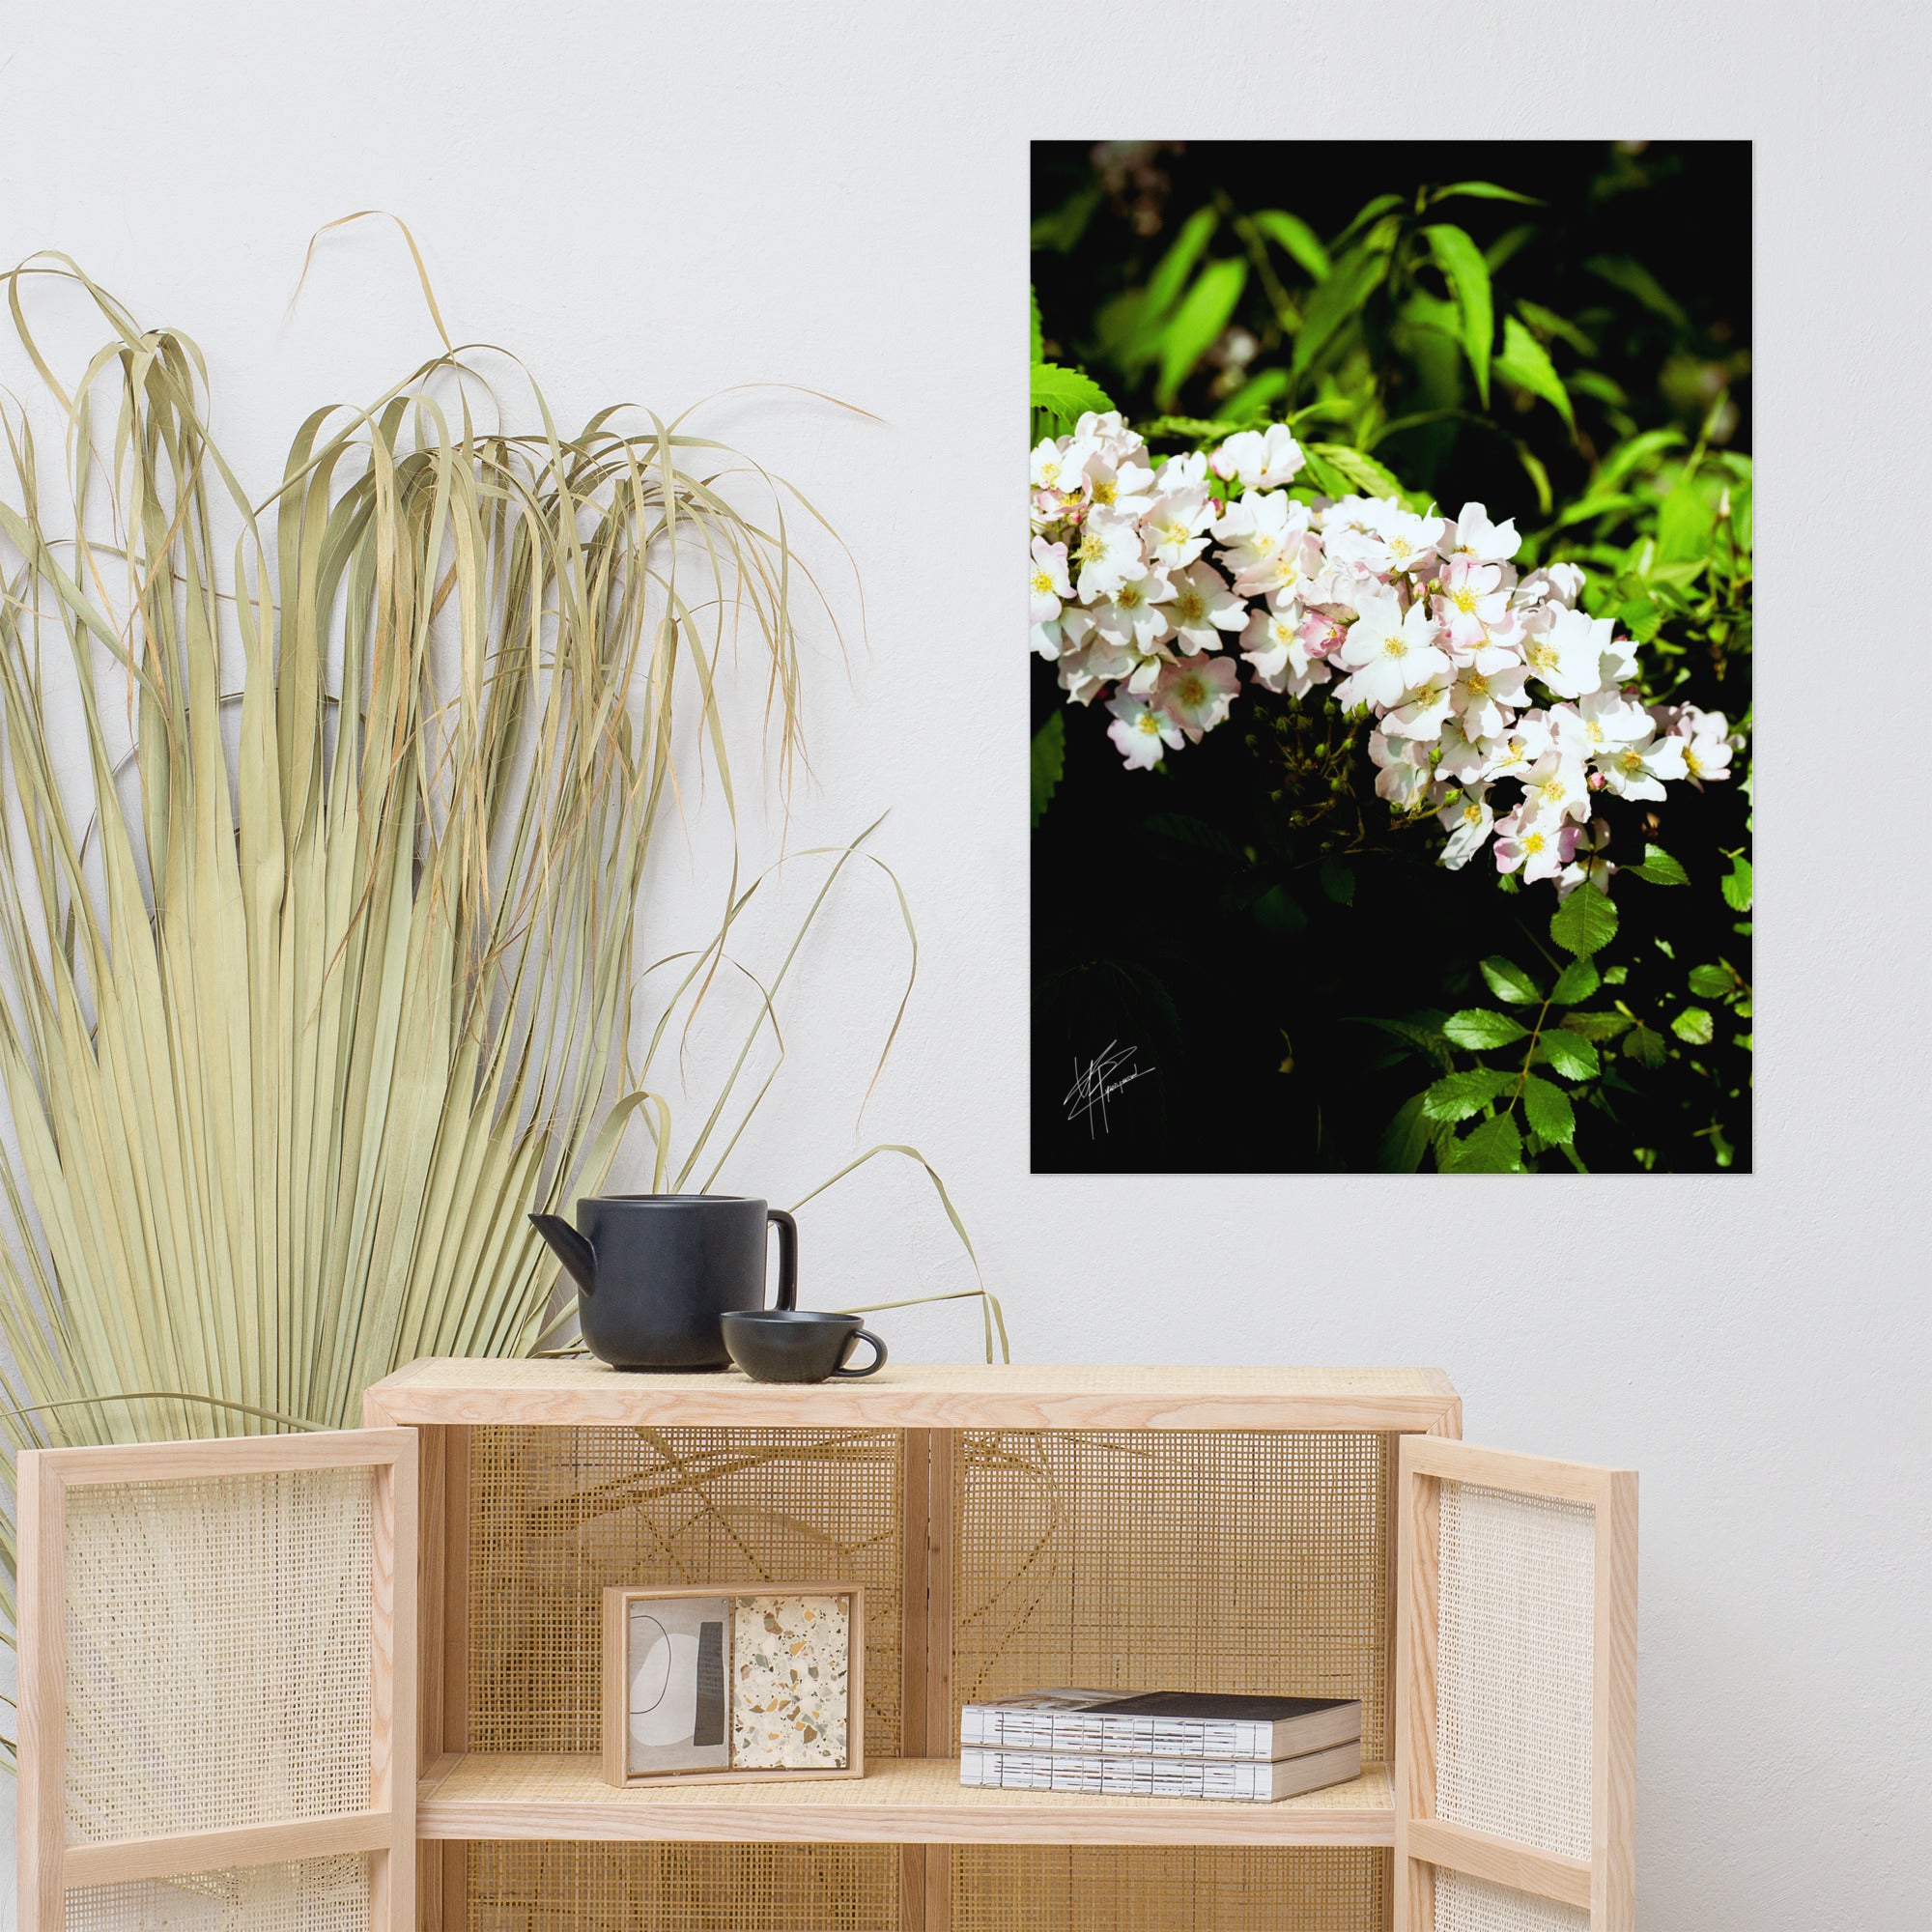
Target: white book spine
(995, 1727)
(1116, 1776)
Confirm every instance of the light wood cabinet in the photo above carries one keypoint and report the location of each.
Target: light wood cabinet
(1321, 1531)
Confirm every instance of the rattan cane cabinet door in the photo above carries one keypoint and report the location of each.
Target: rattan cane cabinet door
(1516, 1692)
(217, 1685)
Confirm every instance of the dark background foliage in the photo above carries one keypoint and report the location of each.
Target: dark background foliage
(1247, 918)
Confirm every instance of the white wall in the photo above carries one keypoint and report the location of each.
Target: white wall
(657, 202)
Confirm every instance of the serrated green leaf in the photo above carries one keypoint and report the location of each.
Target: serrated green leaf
(1711, 982)
(1496, 1146)
(1576, 982)
(1660, 868)
(1585, 922)
(1291, 233)
(1048, 761)
(1548, 1111)
(1596, 1026)
(1645, 1045)
(1549, 324)
(1480, 1030)
(1338, 880)
(1067, 393)
(1357, 467)
(1509, 983)
(1736, 886)
(1570, 1053)
(1458, 1096)
(1468, 277)
(1277, 911)
(1201, 316)
(1642, 619)
(1527, 363)
(1695, 1026)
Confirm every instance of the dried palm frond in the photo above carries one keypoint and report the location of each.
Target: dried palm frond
(318, 953)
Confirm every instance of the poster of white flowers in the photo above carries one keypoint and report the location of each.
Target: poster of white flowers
(1391, 537)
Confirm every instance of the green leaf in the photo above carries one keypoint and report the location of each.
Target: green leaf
(1033, 305)
(1686, 522)
(1537, 475)
(1458, 1096)
(1695, 1026)
(1355, 467)
(1660, 868)
(1251, 399)
(1061, 230)
(1642, 619)
(1276, 911)
(1577, 981)
(1635, 279)
(1171, 273)
(1369, 211)
(1190, 831)
(1493, 1147)
(1293, 234)
(1585, 922)
(1646, 1045)
(1596, 1026)
(1711, 982)
(1549, 324)
(1633, 453)
(1049, 762)
(1479, 1030)
(1067, 393)
(1338, 880)
(1355, 278)
(1527, 363)
(1548, 1111)
(1569, 1052)
(1480, 191)
(1201, 316)
(1510, 983)
(1467, 274)
(1406, 1138)
(1736, 886)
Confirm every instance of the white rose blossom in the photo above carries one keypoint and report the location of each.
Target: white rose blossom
(1476, 675)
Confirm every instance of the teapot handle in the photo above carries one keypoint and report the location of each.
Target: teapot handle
(788, 1257)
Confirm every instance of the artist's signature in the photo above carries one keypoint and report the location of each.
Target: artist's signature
(1098, 1081)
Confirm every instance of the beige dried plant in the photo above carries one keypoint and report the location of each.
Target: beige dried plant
(319, 970)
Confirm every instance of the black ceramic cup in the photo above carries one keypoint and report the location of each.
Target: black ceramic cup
(793, 1344)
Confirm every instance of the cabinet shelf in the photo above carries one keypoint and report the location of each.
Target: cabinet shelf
(898, 1802)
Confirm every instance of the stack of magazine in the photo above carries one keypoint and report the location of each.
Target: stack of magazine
(1163, 1743)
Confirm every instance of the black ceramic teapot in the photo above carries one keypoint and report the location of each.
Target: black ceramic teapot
(655, 1272)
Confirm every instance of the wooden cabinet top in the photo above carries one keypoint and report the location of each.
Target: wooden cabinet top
(918, 1395)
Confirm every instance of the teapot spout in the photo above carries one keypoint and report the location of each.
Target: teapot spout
(570, 1248)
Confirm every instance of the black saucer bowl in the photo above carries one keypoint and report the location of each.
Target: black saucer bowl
(793, 1344)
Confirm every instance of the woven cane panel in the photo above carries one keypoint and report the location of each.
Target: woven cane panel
(1174, 1560)
(1119, 1888)
(1513, 1666)
(1464, 1904)
(313, 1895)
(558, 1514)
(537, 1886)
(217, 1652)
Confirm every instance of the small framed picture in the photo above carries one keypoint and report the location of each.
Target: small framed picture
(763, 1684)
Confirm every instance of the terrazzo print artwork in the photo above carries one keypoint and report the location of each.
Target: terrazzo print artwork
(791, 1658)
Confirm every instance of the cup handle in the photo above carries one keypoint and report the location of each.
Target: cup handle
(788, 1257)
(872, 1366)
